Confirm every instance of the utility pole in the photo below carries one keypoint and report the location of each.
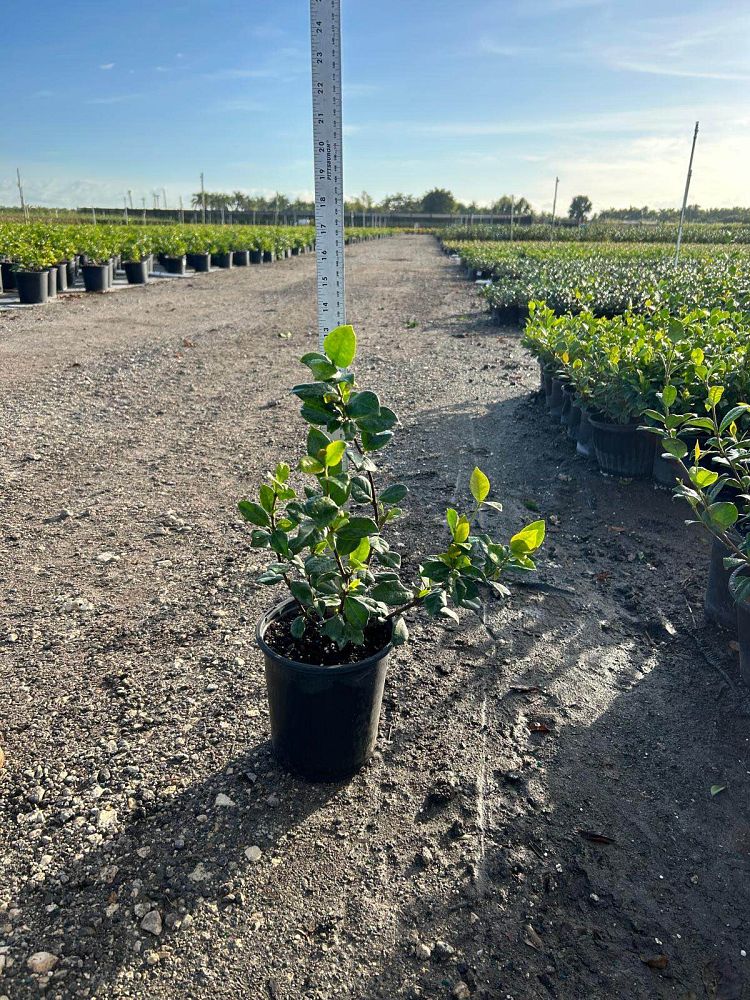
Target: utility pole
(93, 214)
(163, 191)
(125, 203)
(203, 201)
(24, 210)
(685, 196)
(143, 202)
(130, 198)
(182, 214)
(512, 204)
(554, 207)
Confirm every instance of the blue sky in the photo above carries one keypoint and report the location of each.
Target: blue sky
(485, 97)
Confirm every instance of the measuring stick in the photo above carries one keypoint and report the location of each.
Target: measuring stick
(325, 49)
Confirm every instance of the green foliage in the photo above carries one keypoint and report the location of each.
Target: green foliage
(327, 536)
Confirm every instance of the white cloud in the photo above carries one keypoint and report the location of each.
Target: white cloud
(107, 66)
(113, 99)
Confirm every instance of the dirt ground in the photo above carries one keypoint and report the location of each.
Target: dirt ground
(538, 820)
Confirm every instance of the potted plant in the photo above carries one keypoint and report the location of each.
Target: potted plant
(33, 259)
(136, 253)
(716, 485)
(172, 248)
(97, 256)
(198, 245)
(326, 645)
(221, 248)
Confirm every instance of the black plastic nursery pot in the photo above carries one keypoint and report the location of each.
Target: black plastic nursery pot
(567, 399)
(324, 720)
(295, 251)
(743, 626)
(8, 275)
(199, 262)
(136, 271)
(174, 265)
(52, 283)
(622, 450)
(95, 277)
(574, 419)
(256, 256)
(33, 287)
(62, 276)
(241, 258)
(71, 268)
(585, 436)
(268, 256)
(555, 401)
(718, 605)
(223, 259)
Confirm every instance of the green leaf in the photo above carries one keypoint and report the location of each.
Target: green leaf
(360, 555)
(269, 577)
(322, 510)
(702, 478)
(351, 534)
(731, 415)
(361, 489)
(267, 497)
(714, 394)
(669, 395)
(675, 447)
(391, 592)
(435, 569)
(316, 441)
(311, 391)
(321, 414)
(280, 542)
(254, 513)
(282, 472)
(302, 590)
(528, 539)
(723, 515)
(463, 528)
(341, 345)
(335, 629)
(479, 485)
(451, 516)
(260, 538)
(298, 627)
(717, 789)
(319, 365)
(394, 494)
(355, 612)
(372, 442)
(310, 465)
(363, 404)
(334, 453)
(400, 633)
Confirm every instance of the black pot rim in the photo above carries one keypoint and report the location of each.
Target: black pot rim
(607, 426)
(283, 608)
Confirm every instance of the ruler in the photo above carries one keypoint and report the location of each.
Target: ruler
(325, 49)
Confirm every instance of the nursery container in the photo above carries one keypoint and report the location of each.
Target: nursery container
(62, 276)
(585, 436)
(567, 398)
(555, 398)
(52, 283)
(199, 262)
(241, 258)
(719, 606)
(574, 419)
(223, 259)
(256, 256)
(72, 272)
(743, 626)
(268, 256)
(621, 449)
(33, 286)
(136, 271)
(95, 277)
(8, 275)
(174, 265)
(324, 720)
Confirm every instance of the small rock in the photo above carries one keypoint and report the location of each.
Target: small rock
(422, 951)
(107, 557)
(253, 853)
(425, 857)
(41, 962)
(461, 991)
(199, 873)
(107, 819)
(224, 800)
(445, 788)
(62, 516)
(152, 923)
(443, 950)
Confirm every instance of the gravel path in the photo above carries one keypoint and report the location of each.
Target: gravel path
(151, 848)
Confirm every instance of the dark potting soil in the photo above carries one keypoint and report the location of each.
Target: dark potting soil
(318, 649)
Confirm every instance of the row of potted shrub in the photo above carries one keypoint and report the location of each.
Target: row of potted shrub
(40, 259)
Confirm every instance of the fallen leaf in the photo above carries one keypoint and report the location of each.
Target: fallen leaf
(531, 505)
(596, 838)
(658, 962)
(616, 528)
(524, 689)
(2, 758)
(532, 939)
(716, 789)
(603, 576)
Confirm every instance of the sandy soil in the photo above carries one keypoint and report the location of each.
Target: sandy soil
(538, 820)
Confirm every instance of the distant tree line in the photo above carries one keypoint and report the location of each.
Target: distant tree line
(693, 213)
